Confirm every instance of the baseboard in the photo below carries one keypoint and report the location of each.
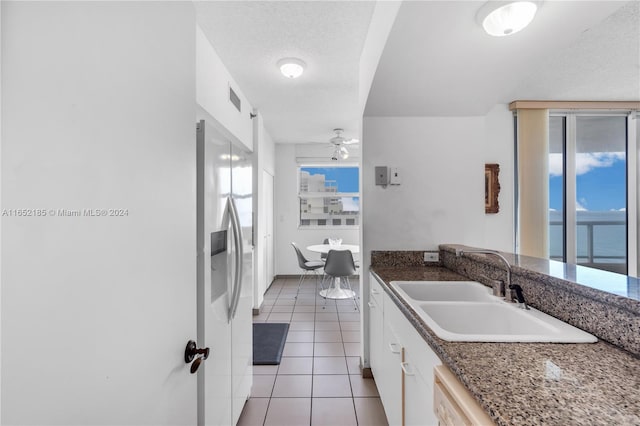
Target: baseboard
(366, 372)
(278, 277)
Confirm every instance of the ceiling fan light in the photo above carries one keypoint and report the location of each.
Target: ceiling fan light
(344, 153)
(291, 67)
(501, 18)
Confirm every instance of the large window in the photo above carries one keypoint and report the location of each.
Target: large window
(588, 190)
(329, 196)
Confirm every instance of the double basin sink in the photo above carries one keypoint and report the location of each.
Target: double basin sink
(466, 311)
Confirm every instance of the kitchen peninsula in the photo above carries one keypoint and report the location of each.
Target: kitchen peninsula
(534, 383)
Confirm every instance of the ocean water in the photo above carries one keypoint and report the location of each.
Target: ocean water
(607, 228)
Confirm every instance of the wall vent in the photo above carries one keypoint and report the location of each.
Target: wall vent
(235, 100)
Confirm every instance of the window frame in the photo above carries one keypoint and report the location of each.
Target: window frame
(308, 195)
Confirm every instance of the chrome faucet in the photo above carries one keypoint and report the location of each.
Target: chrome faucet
(506, 291)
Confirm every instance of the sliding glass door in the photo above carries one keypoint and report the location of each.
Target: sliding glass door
(588, 190)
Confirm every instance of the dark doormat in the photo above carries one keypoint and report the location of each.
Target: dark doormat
(268, 342)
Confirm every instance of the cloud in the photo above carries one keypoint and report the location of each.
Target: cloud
(580, 205)
(350, 205)
(585, 161)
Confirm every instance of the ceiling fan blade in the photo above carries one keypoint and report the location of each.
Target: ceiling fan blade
(350, 141)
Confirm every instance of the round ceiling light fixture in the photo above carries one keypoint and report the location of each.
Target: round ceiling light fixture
(501, 18)
(291, 67)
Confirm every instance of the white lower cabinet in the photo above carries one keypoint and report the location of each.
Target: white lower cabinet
(402, 363)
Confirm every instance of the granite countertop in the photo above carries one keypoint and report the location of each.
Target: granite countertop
(532, 383)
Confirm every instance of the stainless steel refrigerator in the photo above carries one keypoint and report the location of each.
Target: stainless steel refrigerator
(225, 275)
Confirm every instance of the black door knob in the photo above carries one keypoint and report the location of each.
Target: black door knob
(191, 352)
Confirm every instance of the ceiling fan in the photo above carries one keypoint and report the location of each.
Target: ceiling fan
(338, 142)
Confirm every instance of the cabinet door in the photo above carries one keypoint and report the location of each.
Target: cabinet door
(375, 339)
(391, 374)
(418, 389)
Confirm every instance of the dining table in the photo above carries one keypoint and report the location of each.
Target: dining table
(335, 291)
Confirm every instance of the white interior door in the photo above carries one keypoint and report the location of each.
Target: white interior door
(268, 229)
(98, 294)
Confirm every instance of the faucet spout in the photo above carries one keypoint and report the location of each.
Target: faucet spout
(508, 296)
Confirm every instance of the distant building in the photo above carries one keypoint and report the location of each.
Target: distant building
(318, 207)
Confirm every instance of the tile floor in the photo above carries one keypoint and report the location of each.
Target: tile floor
(318, 381)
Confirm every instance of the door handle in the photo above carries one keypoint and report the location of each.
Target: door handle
(191, 351)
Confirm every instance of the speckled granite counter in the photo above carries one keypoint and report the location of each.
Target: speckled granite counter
(533, 383)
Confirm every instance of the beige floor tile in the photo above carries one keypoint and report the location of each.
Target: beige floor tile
(332, 412)
(284, 301)
(345, 316)
(288, 412)
(265, 369)
(350, 326)
(350, 336)
(353, 364)
(328, 349)
(370, 412)
(302, 326)
(279, 316)
(292, 386)
(329, 365)
(363, 387)
(303, 316)
(300, 336)
(262, 386)
(261, 317)
(327, 325)
(304, 308)
(326, 308)
(296, 365)
(298, 349)
(331, 386)
(306, 302)
(352, 349)
(328, 336)
(282, 308)
(254, 412)
(326, 316)
(348, 308)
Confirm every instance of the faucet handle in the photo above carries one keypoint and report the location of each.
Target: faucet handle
(519, 296)
(497, 285)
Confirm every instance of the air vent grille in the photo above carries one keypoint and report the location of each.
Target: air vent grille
(235, 100)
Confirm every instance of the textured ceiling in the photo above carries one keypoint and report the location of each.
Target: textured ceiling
(439, 62)
(250, 37)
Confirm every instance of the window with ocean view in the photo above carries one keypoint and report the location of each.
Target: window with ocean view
(329, 196)
(588, 190)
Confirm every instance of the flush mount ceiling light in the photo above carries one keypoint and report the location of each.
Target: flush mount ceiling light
(501, 18)
(291, 67)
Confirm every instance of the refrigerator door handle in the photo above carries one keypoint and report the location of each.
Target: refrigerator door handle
(237, 232)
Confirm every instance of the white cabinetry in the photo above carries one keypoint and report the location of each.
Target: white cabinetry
(402, 363)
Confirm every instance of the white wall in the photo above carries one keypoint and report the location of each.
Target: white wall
(98, 108)
(441, 199)
(499, 148)
(212, 94)
(287, 211)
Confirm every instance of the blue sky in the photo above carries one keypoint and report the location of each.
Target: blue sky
(599, 187)
(347, 177)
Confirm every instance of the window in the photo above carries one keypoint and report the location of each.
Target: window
(329, 196)
(588, 190)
